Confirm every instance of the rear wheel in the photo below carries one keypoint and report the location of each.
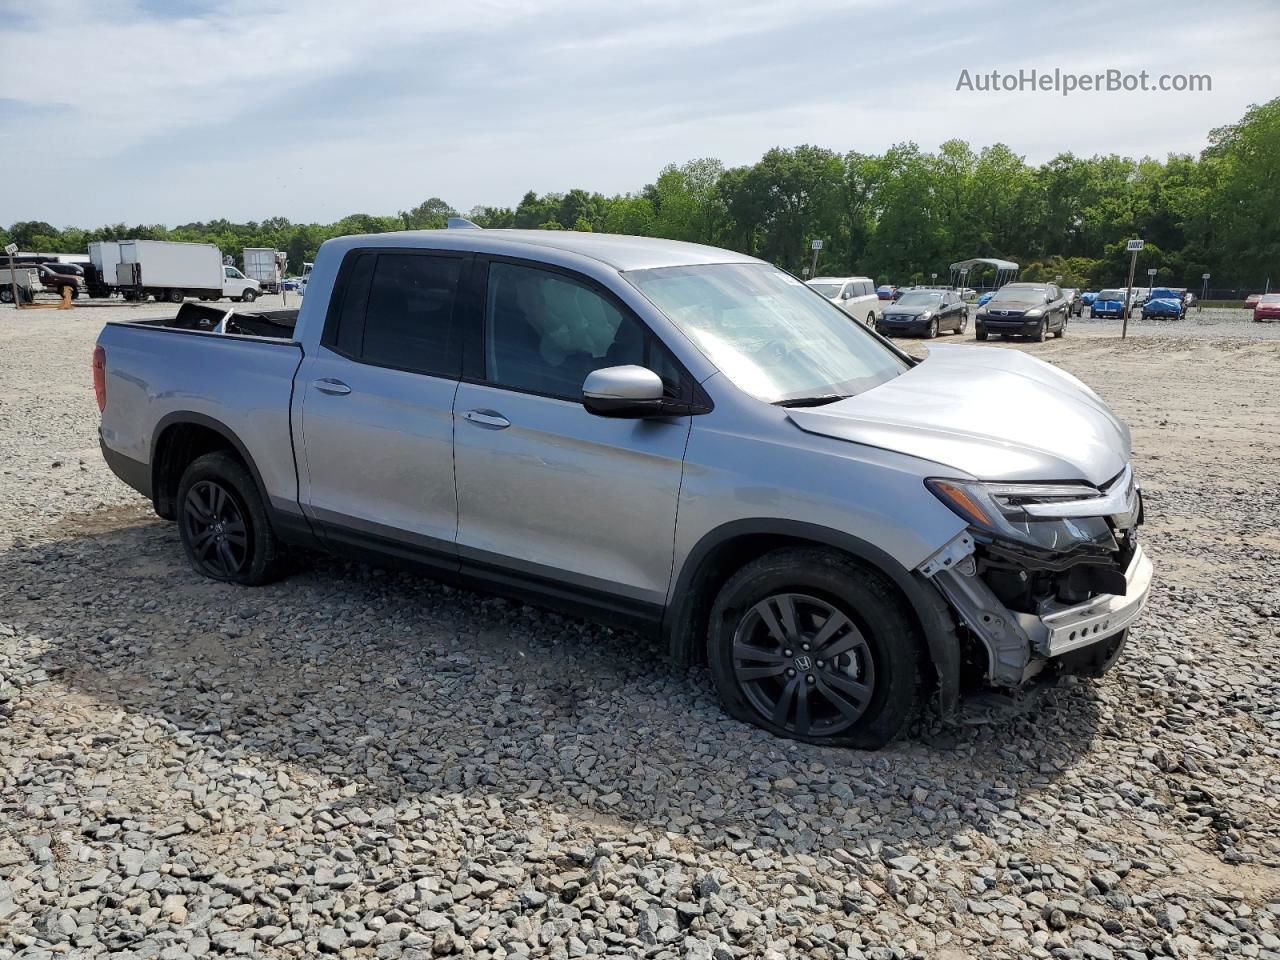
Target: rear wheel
(1062, 330)
(223, 522)
(964, 322)
(173, 296)
(871, 320)
(6, 294)
(809, 645)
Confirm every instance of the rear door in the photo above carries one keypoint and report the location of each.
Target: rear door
(377, 420)
(547, 492)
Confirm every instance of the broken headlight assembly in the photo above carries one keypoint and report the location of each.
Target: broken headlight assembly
(1051, 517)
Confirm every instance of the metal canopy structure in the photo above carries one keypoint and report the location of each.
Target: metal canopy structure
(1006, 270)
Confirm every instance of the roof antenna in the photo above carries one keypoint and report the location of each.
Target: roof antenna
(462, 223)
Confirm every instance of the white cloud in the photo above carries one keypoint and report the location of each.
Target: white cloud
(313, 110)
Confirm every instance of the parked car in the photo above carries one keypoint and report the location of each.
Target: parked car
(856, 296)
(925, 312)
(61, 278)
(1267, 307)
(1087, 298)
(1023, 309)
(673, 437)
(887, 292)
(1074, 304)
(1252, 299)
(1109, 304)
(1189, 300)
(1164, 304)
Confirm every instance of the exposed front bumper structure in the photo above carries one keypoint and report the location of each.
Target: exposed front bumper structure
(1021, 645)
(1055, 632)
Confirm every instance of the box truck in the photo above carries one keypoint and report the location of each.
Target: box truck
(266, 265)
(100, 274)
(172, 271)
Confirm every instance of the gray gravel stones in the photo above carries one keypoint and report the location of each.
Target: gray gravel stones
(358, 763)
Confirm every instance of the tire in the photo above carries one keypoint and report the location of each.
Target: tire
(1043, 333)
(980, 335)
(234, 299)
(6, 294)
(174, 296)
(217, 498)
(863, 697)
(249, 296)
(1061, 331)
(932, 332)
(964, 324)
(871, 320)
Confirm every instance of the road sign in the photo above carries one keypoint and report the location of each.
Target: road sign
(1204, 276)
(1151, 271)
(1134, 245)
(815, 245)
(11, 248)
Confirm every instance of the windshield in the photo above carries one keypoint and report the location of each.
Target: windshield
(1111, 295)
(768, 334)
(1020, 294)
(828, 290)
(919, 299)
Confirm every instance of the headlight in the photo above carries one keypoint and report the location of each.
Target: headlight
(1033, 313)
(926, 315)
(999, 509)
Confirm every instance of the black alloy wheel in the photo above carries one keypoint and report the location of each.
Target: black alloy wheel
(215, 527)
(804, 664)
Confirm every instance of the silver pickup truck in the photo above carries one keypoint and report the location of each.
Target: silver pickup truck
(673, 437)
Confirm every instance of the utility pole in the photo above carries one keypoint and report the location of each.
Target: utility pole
(11, 249)
(1133, 247)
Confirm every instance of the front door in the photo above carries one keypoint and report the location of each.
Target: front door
(377, 422)
(546, 490)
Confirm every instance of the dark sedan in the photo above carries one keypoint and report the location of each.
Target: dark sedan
(1024, 310)
(926, 312)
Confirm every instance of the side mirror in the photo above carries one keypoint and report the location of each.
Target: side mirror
(626, 391)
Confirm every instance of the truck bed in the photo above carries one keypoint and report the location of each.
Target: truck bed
(270, 324)
(239, 382)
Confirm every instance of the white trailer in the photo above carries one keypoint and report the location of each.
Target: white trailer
(27, 280)
(100, 274)
(263, 264)
(172, 271)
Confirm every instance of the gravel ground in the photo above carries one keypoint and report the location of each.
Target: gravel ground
(364, 763)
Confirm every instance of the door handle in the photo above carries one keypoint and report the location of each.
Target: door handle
(489, 419)
(332, 387)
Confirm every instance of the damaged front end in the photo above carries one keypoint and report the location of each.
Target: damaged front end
(1047, 576)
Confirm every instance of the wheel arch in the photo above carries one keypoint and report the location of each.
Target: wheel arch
(724, 550)
(178, 439)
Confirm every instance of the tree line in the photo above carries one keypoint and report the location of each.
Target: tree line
(897, 216)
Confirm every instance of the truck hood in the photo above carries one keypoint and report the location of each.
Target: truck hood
(993, 414)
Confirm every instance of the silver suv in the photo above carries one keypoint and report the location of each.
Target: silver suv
(678, 438)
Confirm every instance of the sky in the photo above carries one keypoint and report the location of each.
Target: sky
(147, 111)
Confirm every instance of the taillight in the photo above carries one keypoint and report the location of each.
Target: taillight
(100, 377)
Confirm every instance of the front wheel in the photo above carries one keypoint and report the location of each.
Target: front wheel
(249, 296)
(1042, 334)
(980, 334)
(932, 332)
(223, 522)
(6, 294)
(810, 645)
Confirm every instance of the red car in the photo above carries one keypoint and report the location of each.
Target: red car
(1252, 300)
(1267, 307)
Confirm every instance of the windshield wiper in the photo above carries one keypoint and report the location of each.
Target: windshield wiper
(812, 401)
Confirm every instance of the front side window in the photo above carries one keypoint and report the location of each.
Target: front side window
(769, 335)
(544, 332)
